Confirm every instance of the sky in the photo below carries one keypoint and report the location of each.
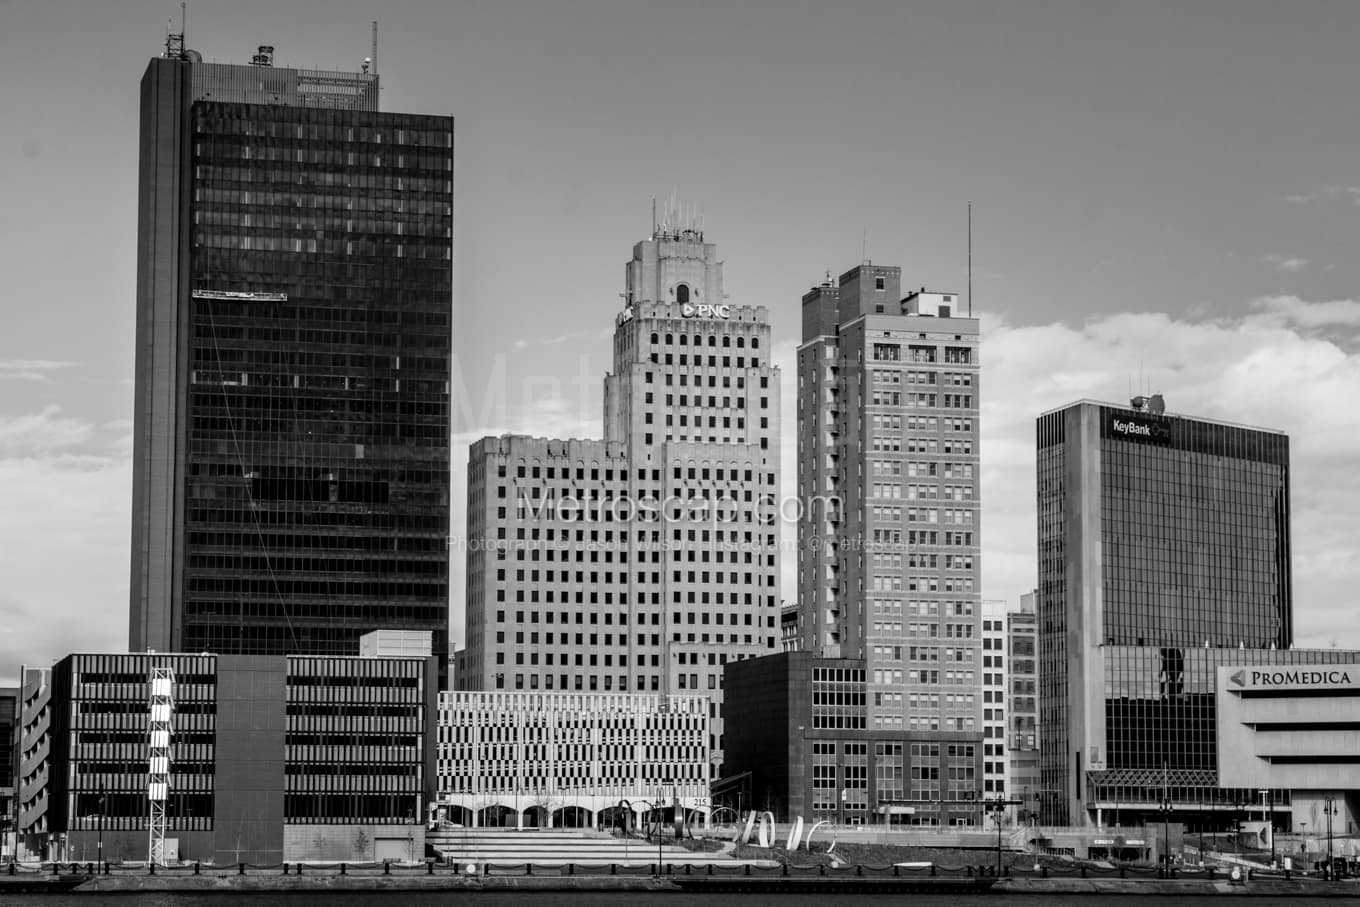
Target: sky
(1165, 196)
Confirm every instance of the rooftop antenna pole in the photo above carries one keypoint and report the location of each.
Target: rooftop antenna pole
(970, 259)
(183, 17)
(863, 245)
(374, 53)
(653, 217)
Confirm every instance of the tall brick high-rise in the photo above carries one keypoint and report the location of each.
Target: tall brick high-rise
(888, 467)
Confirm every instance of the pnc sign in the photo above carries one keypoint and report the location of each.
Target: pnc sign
(704, 310)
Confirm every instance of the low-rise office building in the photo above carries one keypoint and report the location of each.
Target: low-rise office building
(799, 736)
(1022, 739)
(9, 716)
(1296, 727)
(995, 678)
(564, 759)
(270, 757)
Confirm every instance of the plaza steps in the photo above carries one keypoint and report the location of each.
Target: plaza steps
(558, 845)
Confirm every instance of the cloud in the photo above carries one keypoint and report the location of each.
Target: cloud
(784, 354)
(41, 433)
(1288, 265)
(64, 534)
(1293, 310)
(1268, 368)
(525, 342)
(31, 369)
(1303, 198)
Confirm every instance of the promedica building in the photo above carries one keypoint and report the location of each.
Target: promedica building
(294, 300)
(1164, 557)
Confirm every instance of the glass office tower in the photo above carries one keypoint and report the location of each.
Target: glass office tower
(291, 453)
(1163, 553)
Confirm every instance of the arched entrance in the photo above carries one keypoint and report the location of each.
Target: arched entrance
(496, 816)
(571, 817)
(617, 819)
(454, 815)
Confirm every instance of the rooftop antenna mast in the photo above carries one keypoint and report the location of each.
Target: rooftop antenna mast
(174, 43)
(970, 259)
(373, 54)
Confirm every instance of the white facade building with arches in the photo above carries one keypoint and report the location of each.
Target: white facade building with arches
(561, 760)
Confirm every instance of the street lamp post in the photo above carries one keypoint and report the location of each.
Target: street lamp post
(1165, 809)
(1329, 807)
(1236, 808)
(659, 795)
(100, 846)
(998, 810)
(1270, 801)
(997, 807)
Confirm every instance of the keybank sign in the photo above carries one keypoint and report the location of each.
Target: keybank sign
(1132, 428)
(1139, 430)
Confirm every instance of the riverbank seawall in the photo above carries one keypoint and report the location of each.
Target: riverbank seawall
(262, 881)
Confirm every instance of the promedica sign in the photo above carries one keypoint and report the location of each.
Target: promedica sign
(1135, 427)
(1296, 678)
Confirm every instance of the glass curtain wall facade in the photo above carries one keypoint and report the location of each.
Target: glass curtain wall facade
(1163, 553)
(294, 319)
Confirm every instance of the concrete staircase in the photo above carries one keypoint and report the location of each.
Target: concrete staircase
(508, 846)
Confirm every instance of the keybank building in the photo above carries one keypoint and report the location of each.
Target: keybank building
(1163, 556)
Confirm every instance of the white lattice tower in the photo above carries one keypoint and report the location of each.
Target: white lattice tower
(160, 731)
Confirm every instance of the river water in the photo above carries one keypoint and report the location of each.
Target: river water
(621, 899)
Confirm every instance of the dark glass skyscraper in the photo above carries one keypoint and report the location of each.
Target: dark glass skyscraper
(1163, 553)
(294, 306)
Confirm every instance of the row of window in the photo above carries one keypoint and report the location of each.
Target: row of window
(894, 352)
(896, 376)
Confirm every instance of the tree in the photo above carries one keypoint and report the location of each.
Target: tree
(544, 805)
(361, 843)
